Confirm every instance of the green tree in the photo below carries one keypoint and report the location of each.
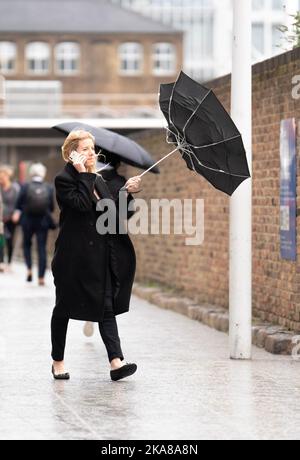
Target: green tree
(292, 37)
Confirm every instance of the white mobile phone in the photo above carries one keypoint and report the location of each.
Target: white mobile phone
(74, 156)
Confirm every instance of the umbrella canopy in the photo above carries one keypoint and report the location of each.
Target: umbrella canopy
(204, 133)
(114, 146)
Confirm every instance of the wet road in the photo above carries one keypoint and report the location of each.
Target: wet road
(185, 387)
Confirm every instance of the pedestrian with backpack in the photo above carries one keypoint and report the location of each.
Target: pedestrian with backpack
(33, 210)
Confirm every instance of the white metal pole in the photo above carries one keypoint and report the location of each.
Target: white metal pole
(240, 295)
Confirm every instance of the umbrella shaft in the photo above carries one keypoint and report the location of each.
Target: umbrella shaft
(162, 159)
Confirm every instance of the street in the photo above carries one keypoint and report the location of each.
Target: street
(185, 388)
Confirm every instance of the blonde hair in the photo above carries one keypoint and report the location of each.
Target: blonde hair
(7, 169)
(72, 141)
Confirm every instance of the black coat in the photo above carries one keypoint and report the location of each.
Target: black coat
(82, 255)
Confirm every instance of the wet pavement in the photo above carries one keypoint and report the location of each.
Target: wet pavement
(185, 387)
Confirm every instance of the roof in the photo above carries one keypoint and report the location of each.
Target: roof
(74, 16)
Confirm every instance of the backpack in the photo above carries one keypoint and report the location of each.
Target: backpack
(37, 199)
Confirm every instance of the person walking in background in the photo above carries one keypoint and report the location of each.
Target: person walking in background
(2, 241)
(9, 191)
(33, 210)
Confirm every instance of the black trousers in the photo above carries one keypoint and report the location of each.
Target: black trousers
(108, 329)
(9, 232)
(30, 229)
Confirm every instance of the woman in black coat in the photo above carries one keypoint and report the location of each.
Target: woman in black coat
(93, 272)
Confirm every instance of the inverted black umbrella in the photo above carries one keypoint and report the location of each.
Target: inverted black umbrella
(114, 146)
(204, 133)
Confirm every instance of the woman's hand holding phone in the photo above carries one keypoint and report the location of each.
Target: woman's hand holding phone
(78, 160)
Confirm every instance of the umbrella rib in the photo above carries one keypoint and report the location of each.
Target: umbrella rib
(201, 146)
(215, 143)
(170, 102)
(189, 120)
(185, 147)
(168, 131)
(216, 170)
(192, 163)
(195, 111)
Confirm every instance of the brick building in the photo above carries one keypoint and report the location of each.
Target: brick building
(78, 59)
(201, 272)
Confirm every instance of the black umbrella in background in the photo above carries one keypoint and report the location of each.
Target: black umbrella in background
(114, 146)
(204, 134)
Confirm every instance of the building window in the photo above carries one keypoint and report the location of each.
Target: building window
(8, 55)
(131, 57)
(258, 40)
(258, 4)
(278, 5)
(38, 58)
(67, 56)
(164, 59)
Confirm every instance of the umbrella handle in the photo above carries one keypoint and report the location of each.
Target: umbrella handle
(123, 189)
(162, 159)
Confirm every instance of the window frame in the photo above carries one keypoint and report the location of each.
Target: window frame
(68, 71)
(38, 70)
(13, 70)
(164, 58)
(130, 72)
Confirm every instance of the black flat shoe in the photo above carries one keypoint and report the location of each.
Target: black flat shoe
(65, 376)
(29, 279)
(124, 371)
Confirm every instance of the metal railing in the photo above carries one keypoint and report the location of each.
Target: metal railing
(53, 104)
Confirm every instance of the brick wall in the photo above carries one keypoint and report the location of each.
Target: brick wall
(202, 272)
